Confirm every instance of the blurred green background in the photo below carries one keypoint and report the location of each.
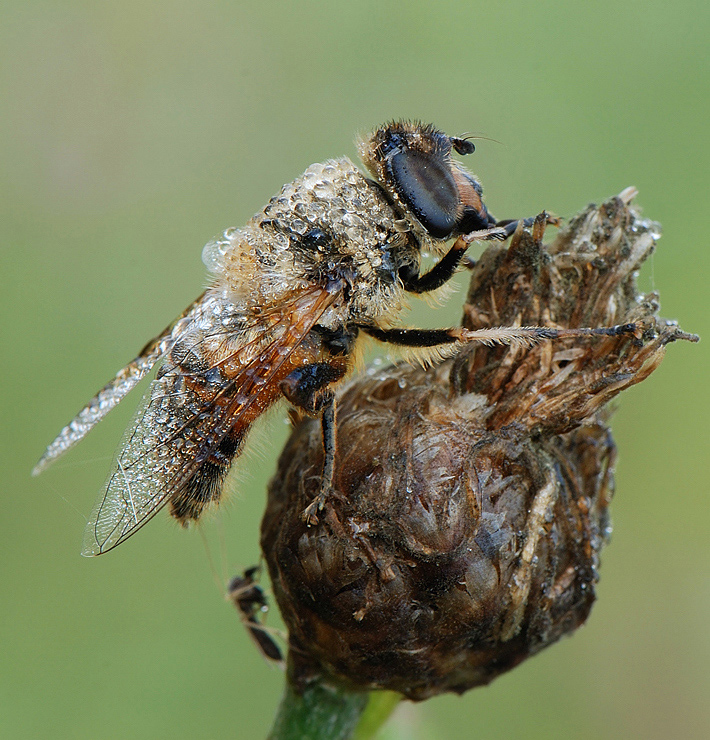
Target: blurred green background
(133, 132)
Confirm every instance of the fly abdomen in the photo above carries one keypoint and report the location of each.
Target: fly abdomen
(205, 484)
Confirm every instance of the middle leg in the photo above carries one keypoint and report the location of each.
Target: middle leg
(308, 389)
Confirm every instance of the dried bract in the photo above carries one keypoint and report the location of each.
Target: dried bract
(473, 496)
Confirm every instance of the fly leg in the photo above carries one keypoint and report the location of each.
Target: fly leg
(445, 268)
(307, 389)
(250, 600)
(310, 515)
(539, 222)
(523, 335)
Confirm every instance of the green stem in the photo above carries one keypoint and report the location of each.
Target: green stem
(326, 712)
(379, 707)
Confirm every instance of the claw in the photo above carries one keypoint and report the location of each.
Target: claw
(310, 515)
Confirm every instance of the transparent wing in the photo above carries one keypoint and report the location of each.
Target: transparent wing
(185, 416)
(116, 390)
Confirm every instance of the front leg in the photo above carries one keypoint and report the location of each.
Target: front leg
(445, 268)
(540, 221)
(441, 273)
(307, 389)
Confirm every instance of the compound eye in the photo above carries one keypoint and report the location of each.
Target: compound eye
(425, 183)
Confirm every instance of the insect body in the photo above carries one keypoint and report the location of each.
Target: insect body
(333, 255)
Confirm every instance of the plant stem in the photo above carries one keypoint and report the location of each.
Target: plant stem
(326, 712)
(379, 707)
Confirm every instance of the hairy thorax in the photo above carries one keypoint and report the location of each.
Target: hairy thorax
(330, 224)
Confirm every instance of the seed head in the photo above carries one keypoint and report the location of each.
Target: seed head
(472, 497)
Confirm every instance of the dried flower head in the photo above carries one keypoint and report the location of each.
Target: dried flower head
(474, 495)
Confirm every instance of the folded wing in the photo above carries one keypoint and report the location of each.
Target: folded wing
(187, 416)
